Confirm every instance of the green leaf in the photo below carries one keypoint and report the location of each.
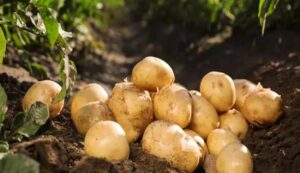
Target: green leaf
(265, 9)
(51, 25)
(18, 163)
(41, 3)
(3, 104)
(2, 45)
(4, 147)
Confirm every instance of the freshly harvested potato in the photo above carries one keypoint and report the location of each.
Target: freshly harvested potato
(44, 91)
(204, 116)
(243, 87)
(92, 92)
(200, 142)
(234, 158)
(132, 108)
(218, 88)
(152, 73)
(262, 107)
(90, 114)
(167, 140)
(210, 164)
(218, 139)
(106, 139)
(173, 103)
(234, 121)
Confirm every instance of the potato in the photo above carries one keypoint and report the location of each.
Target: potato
(173, 103)
(90, 114)
(167, 140)
(106, 139)
(234, 158)
(218, 88)
(92, 92)
(132, 108)
(243, 87)
(262, 107)
(152, 73)
(210, 164)
(234, 121)
(218, 139)
(44, 91)
(200, 142)
(204, 116)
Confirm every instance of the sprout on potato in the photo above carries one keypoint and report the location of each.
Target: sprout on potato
(173, 103)
(152, 73)
(90, 114)
(204, 115)
(262, 107)
(234, 121)
(243, 88)
(167, 140)
(218, 88)
(218, 139)
(92, 92)
(234, 158)
(106, 139)
(132, 108)
(44, 91)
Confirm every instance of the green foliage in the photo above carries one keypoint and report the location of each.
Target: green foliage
(265, 8)
(18, 163)
(2, 45)
(3, 105)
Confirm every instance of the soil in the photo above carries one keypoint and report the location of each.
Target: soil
(273, 60)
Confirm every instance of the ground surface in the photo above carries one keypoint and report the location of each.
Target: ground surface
(273, 60)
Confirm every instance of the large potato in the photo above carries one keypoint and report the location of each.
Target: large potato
(132, 108)
(243, 88)
(44, 91)
(152, 73)
(167, 140)
(92, 92)
(218, 88)
(173, 103)
(90, 114)
(234, 158)
(204, 116)
(106, 139)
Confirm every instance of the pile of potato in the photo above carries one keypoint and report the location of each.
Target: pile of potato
(185, 127)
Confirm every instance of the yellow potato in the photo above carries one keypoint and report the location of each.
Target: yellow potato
(204, 116)
(243, 88)
(234, 121)
(132, 108)
(90, 114)
(218, 88)
(167, 140)
(234, 158)
(44, 91)
(106, 139)
(173, 103)
(152, 73)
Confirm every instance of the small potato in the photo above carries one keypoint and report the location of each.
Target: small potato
(152, 73)
(204, 116)
(200, 142)
(132, 108)
(167, 140)
(243, 88)
(173, 103)
(234, 121)
(262, 107)
(218, 139)
(92, 92)
(218, 88)
(44, 91)
(234, 158)
(106, 139)
(90, 114)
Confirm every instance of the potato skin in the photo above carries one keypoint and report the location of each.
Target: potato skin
(90, 114)
(44, 91)
(132, 108)
(218, 88)
(173, 103)
(167, 140)
(152, 73)
(106, 139)
(204, 116)
(243, 88)
(92, 92)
